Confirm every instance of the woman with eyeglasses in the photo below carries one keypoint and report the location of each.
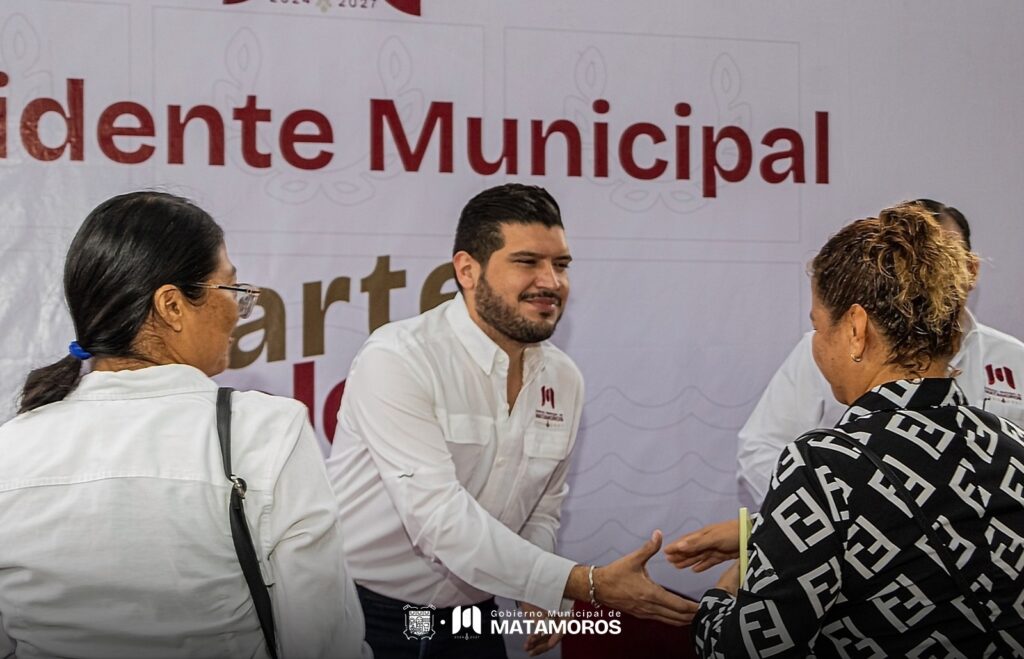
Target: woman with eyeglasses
(114, 531)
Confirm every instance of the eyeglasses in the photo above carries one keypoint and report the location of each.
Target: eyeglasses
(245, 295)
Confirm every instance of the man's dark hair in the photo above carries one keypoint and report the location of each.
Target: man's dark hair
(479, 230)
(941, 211)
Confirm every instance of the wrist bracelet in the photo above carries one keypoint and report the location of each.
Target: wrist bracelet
(593, 596)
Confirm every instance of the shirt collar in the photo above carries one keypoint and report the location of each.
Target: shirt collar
(971, 323)
(481, 348)
(970, 327)
(919, 394)
(147, 382)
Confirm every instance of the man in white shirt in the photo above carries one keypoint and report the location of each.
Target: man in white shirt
(798, 399)
(453, 444)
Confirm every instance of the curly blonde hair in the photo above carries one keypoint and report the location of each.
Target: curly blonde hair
(910, 275)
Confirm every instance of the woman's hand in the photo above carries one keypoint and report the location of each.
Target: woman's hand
(706, 547)
(730, 579)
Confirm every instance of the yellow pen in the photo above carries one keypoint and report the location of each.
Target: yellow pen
(744, 536)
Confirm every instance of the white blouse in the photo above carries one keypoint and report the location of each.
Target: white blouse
(114, 534)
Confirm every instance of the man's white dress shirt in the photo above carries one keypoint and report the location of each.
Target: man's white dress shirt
(114, 533)
(446, 496)
(798, 397)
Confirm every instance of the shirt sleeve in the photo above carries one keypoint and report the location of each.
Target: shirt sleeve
(316, 608)
(541, 527)
(793, 577)
(391, 410)
(793, 403)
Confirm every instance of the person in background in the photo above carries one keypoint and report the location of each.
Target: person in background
(989, 368)
(114, 531)
(848, 555)
(453, 443)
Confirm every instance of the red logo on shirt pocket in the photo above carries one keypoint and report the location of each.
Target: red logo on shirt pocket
(1000, 374)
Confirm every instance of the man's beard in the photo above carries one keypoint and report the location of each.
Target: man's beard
(506, 320)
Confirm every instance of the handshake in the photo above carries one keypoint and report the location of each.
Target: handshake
(625, 584)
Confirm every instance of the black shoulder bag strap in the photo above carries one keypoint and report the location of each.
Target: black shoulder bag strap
(941, 550)
(247, 557)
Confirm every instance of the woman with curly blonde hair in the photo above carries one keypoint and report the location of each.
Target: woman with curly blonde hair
(901, 531)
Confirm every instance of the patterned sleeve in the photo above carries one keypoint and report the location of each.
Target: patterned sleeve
(793, 576)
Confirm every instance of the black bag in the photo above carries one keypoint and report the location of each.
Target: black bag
(933, 539)
(247, 557)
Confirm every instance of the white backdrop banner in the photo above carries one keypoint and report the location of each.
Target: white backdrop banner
(700, 151)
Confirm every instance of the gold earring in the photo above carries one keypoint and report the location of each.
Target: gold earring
(855, 358)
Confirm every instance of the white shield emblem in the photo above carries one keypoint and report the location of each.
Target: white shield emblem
(419, 622)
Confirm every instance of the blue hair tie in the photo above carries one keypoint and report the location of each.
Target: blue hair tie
(78, 352)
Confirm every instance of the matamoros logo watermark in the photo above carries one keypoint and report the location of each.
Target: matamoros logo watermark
(405, 6)
(467, 619)
(467, 622)
(556, 622)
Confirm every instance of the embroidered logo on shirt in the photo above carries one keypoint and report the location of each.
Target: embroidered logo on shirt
(547, 397)
(419, 622)
(1000, 375)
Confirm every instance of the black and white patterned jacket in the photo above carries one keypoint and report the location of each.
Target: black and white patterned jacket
(838, 567)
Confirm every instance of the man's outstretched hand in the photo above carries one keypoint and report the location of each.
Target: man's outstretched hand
(625, 585)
